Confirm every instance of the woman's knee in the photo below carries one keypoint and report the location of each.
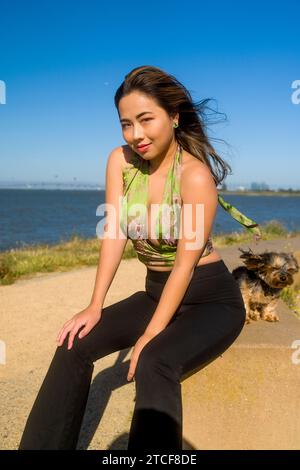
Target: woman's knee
(78, 351)
(151, 363)
(95, 345)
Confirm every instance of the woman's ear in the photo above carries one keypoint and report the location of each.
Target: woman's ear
(175, 117)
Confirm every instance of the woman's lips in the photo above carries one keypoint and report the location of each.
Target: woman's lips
(143, 147)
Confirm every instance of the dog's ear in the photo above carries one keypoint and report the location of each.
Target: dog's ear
(251, 260)
(295, 262)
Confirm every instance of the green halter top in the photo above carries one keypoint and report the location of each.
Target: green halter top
(133, 220)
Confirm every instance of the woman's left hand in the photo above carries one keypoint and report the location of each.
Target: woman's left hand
(139, 345)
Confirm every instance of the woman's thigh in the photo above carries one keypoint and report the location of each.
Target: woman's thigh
(194, 338)
(120, 326)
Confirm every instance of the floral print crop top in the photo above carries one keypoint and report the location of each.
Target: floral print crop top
(167, 221)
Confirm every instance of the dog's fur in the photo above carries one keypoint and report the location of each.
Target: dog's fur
(262, 280)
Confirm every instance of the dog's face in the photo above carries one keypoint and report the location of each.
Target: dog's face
(276, 269)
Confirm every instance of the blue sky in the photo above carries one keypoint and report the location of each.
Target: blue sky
(63, 61)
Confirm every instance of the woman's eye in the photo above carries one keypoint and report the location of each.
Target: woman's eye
(146, 119)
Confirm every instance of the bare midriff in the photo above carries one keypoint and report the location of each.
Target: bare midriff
(213, 256)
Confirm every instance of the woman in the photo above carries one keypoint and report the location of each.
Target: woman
(191, 310)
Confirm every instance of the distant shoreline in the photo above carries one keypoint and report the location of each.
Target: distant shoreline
(260, 193)
(235, 192)
(49, 187)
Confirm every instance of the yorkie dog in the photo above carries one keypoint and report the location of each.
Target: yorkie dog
(262, 280)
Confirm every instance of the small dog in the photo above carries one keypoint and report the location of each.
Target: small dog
(262, 280)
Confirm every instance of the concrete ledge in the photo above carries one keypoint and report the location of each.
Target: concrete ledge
(249, 398)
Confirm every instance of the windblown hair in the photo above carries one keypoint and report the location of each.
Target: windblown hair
(174, 98)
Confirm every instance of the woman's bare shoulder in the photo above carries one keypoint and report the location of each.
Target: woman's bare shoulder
(124, 154)
(191, 165)
(195, 174)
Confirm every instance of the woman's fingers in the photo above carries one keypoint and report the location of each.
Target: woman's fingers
(72, 326)
(72, 334)
(64, 333)
(86, 330)
(59, 337)
(62, 329)
(89, 326)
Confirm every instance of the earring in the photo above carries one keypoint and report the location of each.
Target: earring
(175, 124)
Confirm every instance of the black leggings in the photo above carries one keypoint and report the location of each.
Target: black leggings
(208, 320)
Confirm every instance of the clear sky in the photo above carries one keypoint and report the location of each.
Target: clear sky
(62, 62)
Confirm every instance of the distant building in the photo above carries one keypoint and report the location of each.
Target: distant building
(259, 186)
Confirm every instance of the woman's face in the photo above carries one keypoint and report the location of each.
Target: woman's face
(144, 122)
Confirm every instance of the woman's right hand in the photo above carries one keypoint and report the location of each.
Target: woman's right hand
(88, 318)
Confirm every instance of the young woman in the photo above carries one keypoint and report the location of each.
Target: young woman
(191, 310)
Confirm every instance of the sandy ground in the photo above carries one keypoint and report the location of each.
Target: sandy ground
(31, 314)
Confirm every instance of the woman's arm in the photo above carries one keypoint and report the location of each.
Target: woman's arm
(111, 249)
(199, 193)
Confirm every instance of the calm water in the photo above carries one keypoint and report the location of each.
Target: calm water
(49, 216)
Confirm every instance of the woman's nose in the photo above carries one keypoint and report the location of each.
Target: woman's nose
(138, 132)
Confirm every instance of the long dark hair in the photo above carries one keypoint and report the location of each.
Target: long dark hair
(174, 98)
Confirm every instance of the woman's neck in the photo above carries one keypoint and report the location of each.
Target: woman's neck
(163, 162)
